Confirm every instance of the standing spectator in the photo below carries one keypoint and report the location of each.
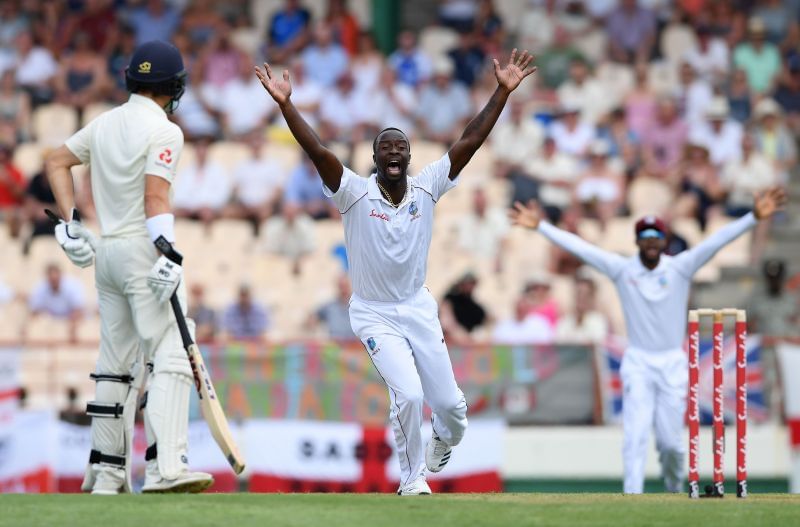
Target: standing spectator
(444, 105)
(36, 69)
(344, 25)
(710, 56)
(12, 191)
(205, 319)
(325, 60)
(246, 319)
(484, 232)
(335, 314)
(290, 234)
(516, 143)
(58, 296)
(413, 66)
(758, 58)
(468, 59)
(664, 141)
(600, 190)
(155, 20)
(719, 133)
(15, 111)
(523, 328)
(202, 189)
(82, 78)
(584, 92)
(257, 183)
(585, 324)
(571, 135)
(288, 31)
(460, 313)
(773, 139)
(304, 191)
(556, 173)
(772, 311)
(631, 32)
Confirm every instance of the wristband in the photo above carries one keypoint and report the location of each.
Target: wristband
(161, 225)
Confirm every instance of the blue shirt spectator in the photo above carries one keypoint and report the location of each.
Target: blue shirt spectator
(288, 23)
(246, 319)
(155, 21)
(325, 60)
(304, 190)
(411, 65)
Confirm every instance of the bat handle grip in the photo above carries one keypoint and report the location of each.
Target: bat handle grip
(173, 255)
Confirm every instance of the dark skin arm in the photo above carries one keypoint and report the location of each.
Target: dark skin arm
(328, 165)
(508, 78)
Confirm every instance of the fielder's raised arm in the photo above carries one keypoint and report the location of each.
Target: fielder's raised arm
(508, 78)
(328, 165)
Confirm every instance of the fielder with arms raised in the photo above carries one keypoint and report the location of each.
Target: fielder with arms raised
(654, 291)
(133, 150)
(388, 221)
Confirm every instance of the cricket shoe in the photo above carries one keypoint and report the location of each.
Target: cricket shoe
(437, 454)
(108, 481)
(186, 482)
(418, 487)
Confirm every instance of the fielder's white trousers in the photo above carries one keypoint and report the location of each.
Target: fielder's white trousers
(406, 345)
(654, 396)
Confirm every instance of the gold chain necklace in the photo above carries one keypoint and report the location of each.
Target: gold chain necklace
(388, 196)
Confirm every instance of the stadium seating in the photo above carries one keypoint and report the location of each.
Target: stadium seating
(54, 123)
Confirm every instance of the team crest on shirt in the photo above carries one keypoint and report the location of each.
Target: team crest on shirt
(414, 211)
(373, 346)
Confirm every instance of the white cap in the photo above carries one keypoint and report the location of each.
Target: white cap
(766, 107)
(717, 109)
(442, 65)
(598, 147)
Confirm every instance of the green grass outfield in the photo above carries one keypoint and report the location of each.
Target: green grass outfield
(373, 510)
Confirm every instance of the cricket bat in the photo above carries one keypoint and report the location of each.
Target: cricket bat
(209, 404)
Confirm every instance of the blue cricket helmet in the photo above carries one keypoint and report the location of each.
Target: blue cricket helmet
(157, 67)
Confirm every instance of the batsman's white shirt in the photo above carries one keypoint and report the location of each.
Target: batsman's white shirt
(654, 367)
(391, 311)
(122, 145)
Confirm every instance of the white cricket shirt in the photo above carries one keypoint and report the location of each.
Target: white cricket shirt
(654, 301)
(121, 146)
(387, 247)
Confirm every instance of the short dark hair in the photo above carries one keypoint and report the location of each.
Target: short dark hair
(375, 141)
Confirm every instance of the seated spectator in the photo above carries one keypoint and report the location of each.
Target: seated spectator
(12, 191)
(760, 59)
(698, 180)
(632, 32)
(122, 47)
(553, 63)
(204, 317)
(772, 311)
(240, 118)
(197, 116)
(572, 136)
(457, 14)
(583, 92)
(257, 183)
(325, 60)
(200, 21)
(719, 133)
(15, 111)
(246, 319)
(773, 139)
(710, 56)
(663, 142)
(600, 190)
(694, 93)
(288, 31)
(743, 179)
(787, 94)
(220, 63)
(36, 69)
(306, 95)
(344, 25)
(444, 105)
(460, 313)
(82, 78)
(739, 96)
(483, 233)
(392, 104)
(201, 190)
(490, 29)
(58, 296)
(779, 18)
(412, 65)
(154, 20)
(561, 261)
(39, 196)
(366, 65)
(585, 324)
(335, 314)
(640, 102)
(540, 301)
(290, 234)
(523, 329)
(468, 59)
(556, 173)
(515, 144)
(304, 191)
(623, 143)
(343, 113)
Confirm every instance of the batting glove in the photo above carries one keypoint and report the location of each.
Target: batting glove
(164, 278)
(77, 241)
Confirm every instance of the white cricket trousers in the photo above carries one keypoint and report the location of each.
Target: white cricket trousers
(654, 396)
(406, 345)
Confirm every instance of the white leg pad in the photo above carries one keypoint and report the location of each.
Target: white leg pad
(167, 410)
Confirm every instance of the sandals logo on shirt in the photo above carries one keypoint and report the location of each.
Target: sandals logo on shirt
(373, 346)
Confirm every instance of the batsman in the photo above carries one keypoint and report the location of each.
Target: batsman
(654, 290)
(133, 150)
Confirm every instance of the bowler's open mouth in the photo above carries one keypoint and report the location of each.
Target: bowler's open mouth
(393, 167)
